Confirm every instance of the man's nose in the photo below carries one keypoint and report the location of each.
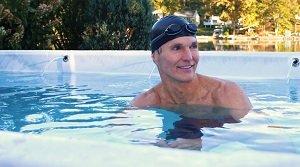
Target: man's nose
(187, 55)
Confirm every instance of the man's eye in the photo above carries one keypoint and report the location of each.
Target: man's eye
(176, 48)
(194, 46)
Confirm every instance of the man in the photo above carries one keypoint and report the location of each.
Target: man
(175, 52)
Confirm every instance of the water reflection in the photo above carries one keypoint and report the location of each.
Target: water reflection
(182, 124)
(250, 45)
(294, 94)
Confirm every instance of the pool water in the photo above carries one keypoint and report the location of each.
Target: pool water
(94, 107)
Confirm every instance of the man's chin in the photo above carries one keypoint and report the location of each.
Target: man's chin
(186, 79)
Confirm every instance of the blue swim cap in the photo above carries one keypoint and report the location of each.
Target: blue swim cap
(169, 28)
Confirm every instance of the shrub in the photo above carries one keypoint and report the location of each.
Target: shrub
(75, 24)
(11, 30)
(117, 24)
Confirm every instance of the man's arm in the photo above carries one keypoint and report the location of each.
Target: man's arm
(236, 97)
(233, 97)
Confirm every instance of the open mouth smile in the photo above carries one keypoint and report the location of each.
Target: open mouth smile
(185, 67)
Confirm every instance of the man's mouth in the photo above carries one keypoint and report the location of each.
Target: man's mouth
(185, 67)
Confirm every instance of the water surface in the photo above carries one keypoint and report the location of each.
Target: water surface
(251, 45)
(94, 107)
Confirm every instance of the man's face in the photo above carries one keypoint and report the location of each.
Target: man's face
(177, 59)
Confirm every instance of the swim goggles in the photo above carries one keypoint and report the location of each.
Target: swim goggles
(175, 29)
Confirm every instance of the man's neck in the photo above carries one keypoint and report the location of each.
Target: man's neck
(180, 92)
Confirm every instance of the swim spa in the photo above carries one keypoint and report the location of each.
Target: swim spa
(71, 106)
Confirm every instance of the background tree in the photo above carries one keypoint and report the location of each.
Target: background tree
(39, 24)
(207, 8)
(190, 4)
(75, 24)
(198, 5)
(117, 24)
(168, 6)
(69, 23)
(249, 16)
(262, 18)
(38, 19)
(123, 24)
(280, 13)
(233, 10)
(11, 30)
(283, 14)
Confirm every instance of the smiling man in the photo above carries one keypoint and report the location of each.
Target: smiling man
(175, 52)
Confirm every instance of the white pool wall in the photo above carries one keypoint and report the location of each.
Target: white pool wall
(240, 65)
(24, 150)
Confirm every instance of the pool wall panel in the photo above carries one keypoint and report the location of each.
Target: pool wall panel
(240, 65)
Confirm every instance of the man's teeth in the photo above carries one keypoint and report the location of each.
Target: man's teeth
(185, 67)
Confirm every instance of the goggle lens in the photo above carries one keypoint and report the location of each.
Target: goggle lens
(191, 28)
(175, 29)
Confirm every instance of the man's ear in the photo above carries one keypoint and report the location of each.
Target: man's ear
(154, 57)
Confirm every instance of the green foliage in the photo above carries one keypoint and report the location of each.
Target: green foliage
(227, 31)
(70, 21)
(249, 14)
(11, 30)
(281, 13)
(117, 24)
(167, 6)
(123, 24)
(36, 18)
(41, 21)
(260, 14)
(75, 24)
(235, 10)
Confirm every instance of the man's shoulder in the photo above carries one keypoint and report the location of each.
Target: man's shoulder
(145, 99)
(217, 83)
(231, 95)
(223, 86)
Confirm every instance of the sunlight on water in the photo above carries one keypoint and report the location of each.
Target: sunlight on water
(95, 108)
